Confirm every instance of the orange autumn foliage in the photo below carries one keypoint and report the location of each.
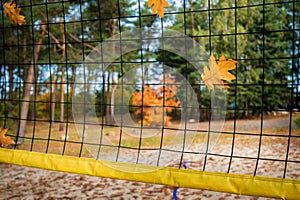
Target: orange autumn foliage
(154, 104)
(13, 12)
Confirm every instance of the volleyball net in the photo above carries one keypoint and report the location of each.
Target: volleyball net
(106, 88)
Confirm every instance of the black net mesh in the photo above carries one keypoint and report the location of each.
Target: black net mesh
(111, 81)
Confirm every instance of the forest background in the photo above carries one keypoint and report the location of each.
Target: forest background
(39, 59)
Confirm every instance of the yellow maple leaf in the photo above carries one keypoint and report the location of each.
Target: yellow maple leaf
(5, 140)
(224, 66)
(218, 72)
(158, 7)
(13, 12)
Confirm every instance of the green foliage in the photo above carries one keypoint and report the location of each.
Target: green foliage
(297, 120)
(263, 49)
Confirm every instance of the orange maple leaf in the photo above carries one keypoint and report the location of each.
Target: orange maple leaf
(13, 12)
(218, 72)
(5, 140)
(158, 7)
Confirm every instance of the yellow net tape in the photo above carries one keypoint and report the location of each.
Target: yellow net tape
(223, 182)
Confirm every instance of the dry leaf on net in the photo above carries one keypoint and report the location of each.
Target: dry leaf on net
(13, 12)
(5, 140)
(218, 72)
(158, 7)
(224, 66)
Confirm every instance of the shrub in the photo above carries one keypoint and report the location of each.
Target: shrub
(297, 120)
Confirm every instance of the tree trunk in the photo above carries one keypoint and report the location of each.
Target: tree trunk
(53, 98)
(72, 85)
(112, 100)
(192, 22)
(109, 99)
(246, 96)
(62, 89)
(28, 85)
(11, 87)
(297, 74)
(24, 53)
(72, 80)
(33, 92)
(62, 99)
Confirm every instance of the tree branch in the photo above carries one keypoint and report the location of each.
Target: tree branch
(86, 44)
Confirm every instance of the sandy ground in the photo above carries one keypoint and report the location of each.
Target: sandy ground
(17, 182)
(29, 183)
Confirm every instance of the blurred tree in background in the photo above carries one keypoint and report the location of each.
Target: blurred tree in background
(38, 60)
